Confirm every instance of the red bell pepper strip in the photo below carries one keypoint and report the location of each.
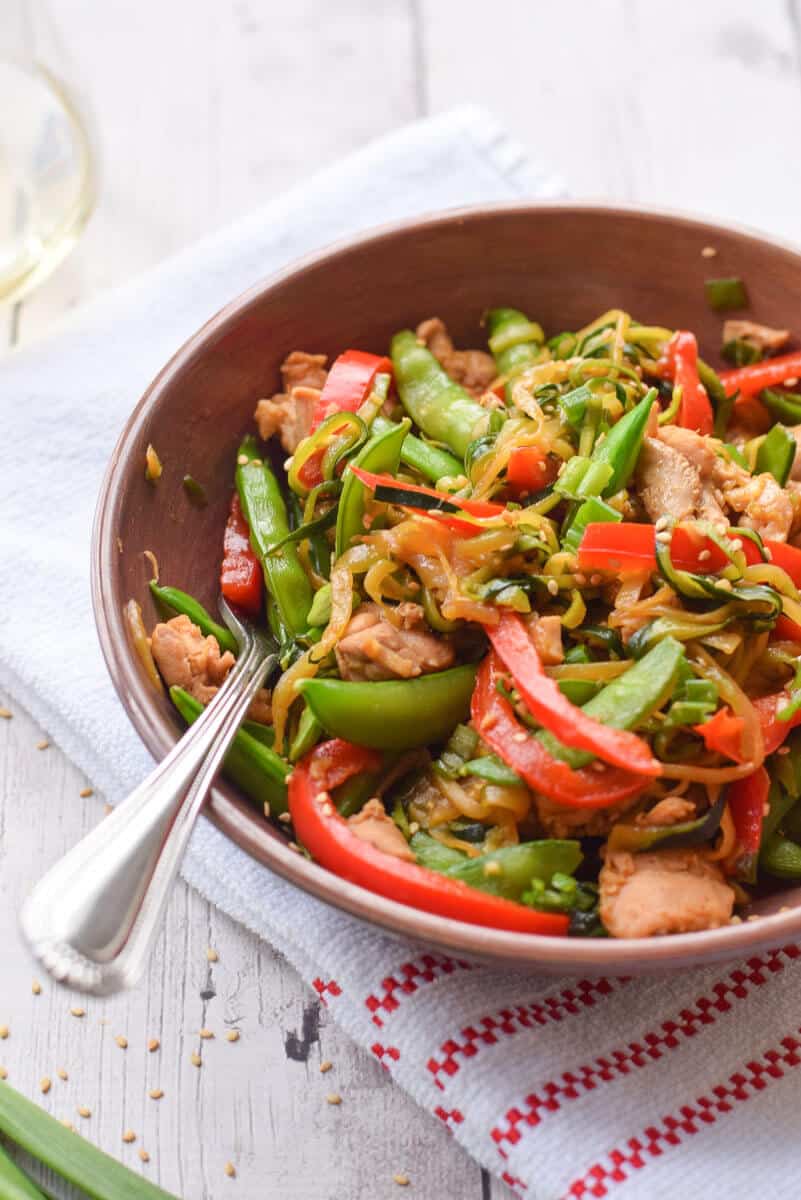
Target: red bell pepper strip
(723, 734)
(548, 705)
(786, 630)
(530, 470)
(241, 576)
(629, 546)
(767, 374)
(349, 383)
(330, 841)
(495, 721)
(695, 409)
(747, 800)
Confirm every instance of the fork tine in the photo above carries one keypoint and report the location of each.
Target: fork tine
(241, 630)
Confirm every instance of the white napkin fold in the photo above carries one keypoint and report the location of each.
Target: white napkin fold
(671, 1087)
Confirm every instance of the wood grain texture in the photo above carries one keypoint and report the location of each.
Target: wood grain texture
(205, 109)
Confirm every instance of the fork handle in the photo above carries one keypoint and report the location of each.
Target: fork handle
(92, 919)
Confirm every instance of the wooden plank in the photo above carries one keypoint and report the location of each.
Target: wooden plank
(259, 1102)
(641, 100)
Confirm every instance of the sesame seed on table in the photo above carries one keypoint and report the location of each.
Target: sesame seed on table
(260, 1118)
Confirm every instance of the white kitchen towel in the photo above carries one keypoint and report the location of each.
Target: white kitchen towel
(681, 1086)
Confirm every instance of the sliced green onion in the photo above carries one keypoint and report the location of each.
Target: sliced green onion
(195, 492)
(723, 294)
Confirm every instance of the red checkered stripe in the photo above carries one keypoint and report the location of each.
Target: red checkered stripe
(636, 1153)
(507, 1022)
(326, 989)
(738, 985)
(408, 979)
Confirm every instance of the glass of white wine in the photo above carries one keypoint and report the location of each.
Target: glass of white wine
(47, 164)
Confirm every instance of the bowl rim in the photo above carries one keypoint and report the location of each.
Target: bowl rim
(245, 826)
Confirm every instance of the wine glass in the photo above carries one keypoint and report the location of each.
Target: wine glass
(47, 163)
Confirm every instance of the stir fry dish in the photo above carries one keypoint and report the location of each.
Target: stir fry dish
(538, 620)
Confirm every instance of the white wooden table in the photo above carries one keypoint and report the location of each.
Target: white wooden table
(205, 109)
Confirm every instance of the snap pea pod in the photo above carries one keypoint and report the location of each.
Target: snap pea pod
(75, 1159)
(307, 735)
(507, 872)
(266, 515)
(621, 447)
(432, 462)
(252, 766)
(776, 454)
(176, 603)
(441, 408)
(628, 700)
(14, 1183)
(515, 342)
(393, 714)
(781, 857)
(381, 454)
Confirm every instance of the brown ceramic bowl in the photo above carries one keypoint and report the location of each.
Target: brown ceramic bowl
(563, 264)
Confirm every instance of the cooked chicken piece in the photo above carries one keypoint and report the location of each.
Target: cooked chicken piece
(546, 633)
(560, 822)
(670, 811)
(289, 413)
(289, 416)
(374, 648)
(795, 470)
(761, 336)
(707, 484)
(668, 483)
(189, 660)
(374, 826)
(473, 369)
(667, 891)
(763, 504)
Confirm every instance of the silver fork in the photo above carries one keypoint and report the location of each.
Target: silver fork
(93, 918)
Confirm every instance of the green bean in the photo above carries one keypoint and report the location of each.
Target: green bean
(266, 515)
(432, 462)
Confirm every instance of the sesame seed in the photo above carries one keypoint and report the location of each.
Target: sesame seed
(145, 1157)
(108, 809)
(78, 1012)
(129, 1136)
(43, 745)
(704, 555)
(753, 917)
(735, 920)
(401, 1180)
(155, 1093)
(68, 1125)
(493, 867)
(285, 818)
(85, 792)
(5, 714)
(196, 1060)
(663, 539)
(598, 766)
(36, 987)
(242, 460)
(232, 1035)
(122, 1042)
(267, 812)
(325, 1066)
(84, 1112)
(580, 578)
(414, 827)
(709, 252)
(230, 1170)
(4, 1032)
(725, 584)
(212, 956)
(791, 382)
(661, 523)
(206, 1034)
(62, 1074)
(45, 1085)
(553, 587)
(153, 1045)
(255, 462)
(737, 544)
(595, 580)
(3, 1073)
(333, 1098)
(519, 737)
